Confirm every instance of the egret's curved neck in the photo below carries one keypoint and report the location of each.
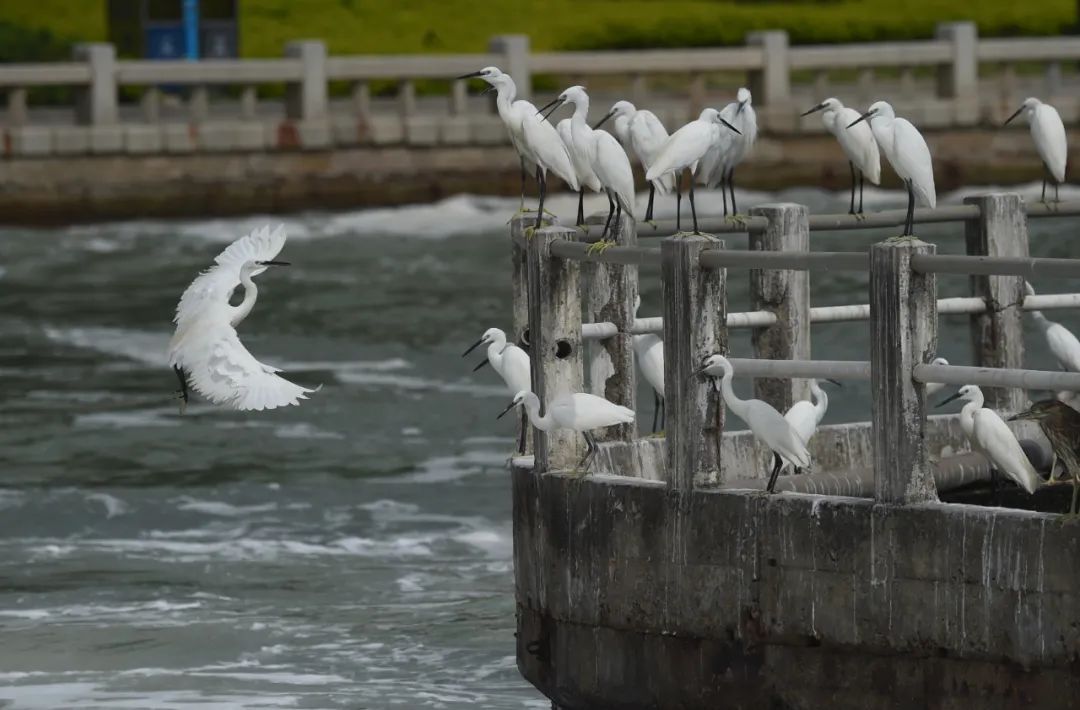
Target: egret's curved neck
(882, 128)
(495, 353)
(736, 405)
(967, 417)
(506, 91)
(543, 423)
(1042, 320)
(581, 113)
(821, 401)
(251, 292)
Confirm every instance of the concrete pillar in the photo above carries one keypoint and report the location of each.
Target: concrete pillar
(771, 86)
(555, 334)
(307, 99)
(785, 293)
(519, 261)
(997, 336)
(515, 62)
(959, 80)
(903, 333)
(695, 315)
(96, 103)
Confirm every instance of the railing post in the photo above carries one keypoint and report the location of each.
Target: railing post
(903, 333)
(997, 336)
(785, 293)
(771, 86)
(695, 313)
(306, 100)
(555, 332)
(96, 104)
(959, 80)
(519, 334)
(515, 62)
(609, 297)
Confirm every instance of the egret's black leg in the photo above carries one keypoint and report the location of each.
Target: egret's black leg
(524, 176)
(542, 181)
(1056, 198)
(731, 186)
(183, 391)
(590, 451)
(693, 210)
(777, 463)
(652, 196)
(581, 207)
(1044, 191)
(610, 214)
(618, 221)
(723, 191)
(663, 413)
(909, 223)
(656, 410)
(853, 180)
(523, 425)
(678, 201)
(862, 184)
(1076, 495)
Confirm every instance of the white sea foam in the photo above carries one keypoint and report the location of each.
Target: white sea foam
(442, 469)
(113, 505)
(145, 347)
(303, 430)
(221, 508)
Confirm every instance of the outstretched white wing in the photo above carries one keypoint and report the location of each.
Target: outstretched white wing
(221, 369)
(216, 284)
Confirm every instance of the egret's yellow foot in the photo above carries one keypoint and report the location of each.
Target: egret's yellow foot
(600, 247)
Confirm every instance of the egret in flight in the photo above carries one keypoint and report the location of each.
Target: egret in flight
(1063, 344)
(1048, 132)
(804, 416)
(857, 143)
(535, 140)
(733, 149)
(509, 361)
(206, 353)
(767, 424)
(579, 411)
(642, 133)
(603, 154)
(991, 437)
(683, 150)
(907, 152)
(582, 168)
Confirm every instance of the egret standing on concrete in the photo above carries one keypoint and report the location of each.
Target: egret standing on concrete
(649, 351)
(685, 149)
(580, 412)
(510, 361)
(585, 175)
(857, 143)
(739, 113)
(1060, 423)
(804, 416)
(1048, 132)
(603, 154)
(534, 139)
(207, 352)
(767, 424)
(908, 154)
(643, 134)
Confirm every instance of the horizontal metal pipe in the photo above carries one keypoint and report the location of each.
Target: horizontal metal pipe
(997, 377)
(892, 218)
(581, 251)
(795, 261)
(1029, 268)
(835, 369)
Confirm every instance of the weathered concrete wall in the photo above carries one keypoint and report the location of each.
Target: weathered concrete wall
(633, 596)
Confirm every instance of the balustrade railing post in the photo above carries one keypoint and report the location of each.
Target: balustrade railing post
(609, 297)
(997, 336)
(785, 293)
(695, 313)
(519, 334)
(959, 80)
(307, 99)
(771, 85)
(903, 333)
(515, 62)
(96, 104)
(555, 334)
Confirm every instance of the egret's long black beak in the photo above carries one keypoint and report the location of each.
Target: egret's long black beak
(472, 347)
(1010, 118)
(723, 121)
(1019, 416)
(819, 107)
(742, 105)
(861, 118)
(471, 75)
(508, 408)
(275, 263)
(697, 372)
(480, 364)
(603, 120)
(833, 382)
(553, 106)
(946, 401)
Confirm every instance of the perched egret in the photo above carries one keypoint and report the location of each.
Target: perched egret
(206, 352)
(643, 134)
(991, 437)
(1048, 132)
(804, 416)
(1060, 424)
(739, 113)
(649, 351)
(535, 140)
(510, 361)
(906, 151)
(857, 143)
(684, 149)
(767, 424)
(1063, 344)
(935, 387)
(580, 412)
(585, 175)
(602, 152)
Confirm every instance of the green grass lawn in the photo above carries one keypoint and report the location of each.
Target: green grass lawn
(42, 28)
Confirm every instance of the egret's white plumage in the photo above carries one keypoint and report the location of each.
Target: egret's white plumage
(857, 142)
(649, 352)
(508, 360)
(582, 166)
(206, 346)
(804, 416)
(1062, 343)
(731, 149)
(642, 133)
(991, 436)
(1048, 133)
(935, 387)
(767, 424)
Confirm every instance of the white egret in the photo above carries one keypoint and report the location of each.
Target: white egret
(1048, 132)
(602, 152)
(649, 351)
(206, 352)
(585, 175)
(509, 361)
(535, 140)
(935, 387)
(907, 152)
(1063, 344)
(684, 149)
(857, 142)
(767, 424)
(804, 416)
(643, 134)
(739, 113)
(579, 411)
(991, 437)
